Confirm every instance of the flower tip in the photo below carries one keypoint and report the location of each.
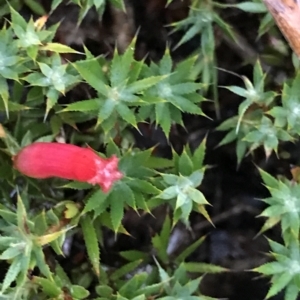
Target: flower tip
(108, 183)
(106, 186)
(109, 174)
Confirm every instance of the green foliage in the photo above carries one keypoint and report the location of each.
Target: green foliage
(181, 187)
(22, 242)
(200, 22)
(283, 205)
(253, 126)
(54, 79)
(285, 270)
(51, 92)
(260, 121)
(136, 187)
(33, 5)
(19, 57)
(170, 283)
(91, 241)
(120, 90)
(287, 115)
(176, 92)
(251, 7)
(179, 285)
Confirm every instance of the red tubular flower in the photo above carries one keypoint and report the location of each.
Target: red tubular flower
(44, 160)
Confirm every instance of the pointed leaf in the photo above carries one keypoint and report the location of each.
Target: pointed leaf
(169, 193)
(163, 117)
(196, 196)
(49, 288)
(199, 154)
(185, 164)
(144, 84)
(196, 178)
(126, 114)
(271, 268)
(120, 65)
(143, 186)
(279, 284)
(22, 216)
(79, 292)
(269, 181)
(242, 110)
(202, 210)
(58, 48)
(41, 261)
(127, 194)
(185, 105)
(186, 88)
(165, 64)
(124, 270)
(194, 267)
(84, 106)
(170, 179)
(4, 94)
(11, 252)
(12, 273)
(116, 209)
(92, 73)
(48, 238)
(96, 199)
(189, 250)
(91, 242)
